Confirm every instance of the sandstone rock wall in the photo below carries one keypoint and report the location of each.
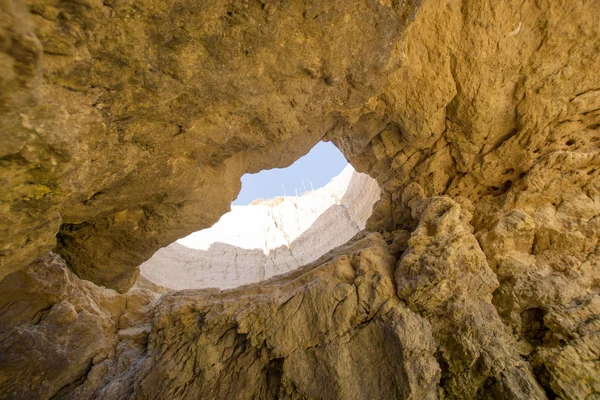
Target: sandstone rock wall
(255, 242)
(126, 125)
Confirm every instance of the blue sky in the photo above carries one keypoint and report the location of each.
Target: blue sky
(321, 164)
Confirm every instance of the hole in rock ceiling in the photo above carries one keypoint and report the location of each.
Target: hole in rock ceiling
(272, 233)
(313, 171)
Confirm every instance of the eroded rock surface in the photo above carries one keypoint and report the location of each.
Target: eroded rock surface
(127, 126)
(58, 331)
(255, 242)
(408, 317)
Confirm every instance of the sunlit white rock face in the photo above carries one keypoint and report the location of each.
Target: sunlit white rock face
(255, 242)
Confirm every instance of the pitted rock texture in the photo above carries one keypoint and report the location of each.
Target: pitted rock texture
(255, 242)
(126, 126)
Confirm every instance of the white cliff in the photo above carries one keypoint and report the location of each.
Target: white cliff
(255, 242)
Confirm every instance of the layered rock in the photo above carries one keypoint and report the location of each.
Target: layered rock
(127, 126)
(255, 242)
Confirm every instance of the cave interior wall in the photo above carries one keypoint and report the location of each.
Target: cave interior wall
(127, 125)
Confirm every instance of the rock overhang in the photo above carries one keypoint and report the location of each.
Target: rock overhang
(182, 116)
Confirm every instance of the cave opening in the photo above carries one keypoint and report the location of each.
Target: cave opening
(310, 172)
(282, 219)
